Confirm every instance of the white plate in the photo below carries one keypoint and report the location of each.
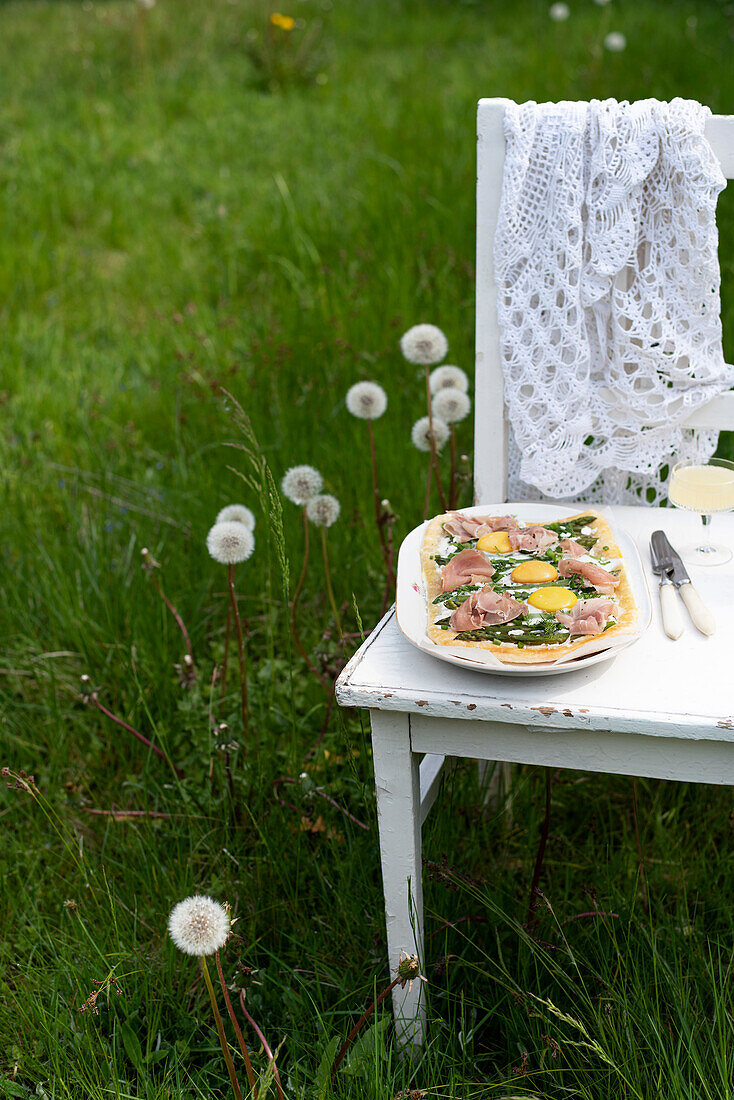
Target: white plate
(412, 607)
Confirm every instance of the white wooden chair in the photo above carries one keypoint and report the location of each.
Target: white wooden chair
(661, 709)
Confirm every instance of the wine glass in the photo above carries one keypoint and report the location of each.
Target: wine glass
(704, 489)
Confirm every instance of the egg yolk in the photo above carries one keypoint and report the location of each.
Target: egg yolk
(534, 571)
(552, 599)
(496, 542)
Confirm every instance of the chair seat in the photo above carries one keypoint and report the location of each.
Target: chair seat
(656, 687)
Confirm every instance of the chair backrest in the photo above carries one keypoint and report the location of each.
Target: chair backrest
(490, 431)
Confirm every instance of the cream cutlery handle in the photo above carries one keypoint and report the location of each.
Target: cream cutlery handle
(701, 617)
(672, 617)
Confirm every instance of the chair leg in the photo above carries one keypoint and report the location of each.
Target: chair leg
(397, 781)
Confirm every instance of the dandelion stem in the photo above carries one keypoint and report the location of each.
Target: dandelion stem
(427, 501)
(265, 1046)
(294, 605)
(240, 650)
(362, 1020)
(301, 579)
(329, 589)
(236, 1026)
(220, 1030)
(383, 522)
(149, 744)
(225, 659)
(230, 777)
(389, 585)
(437, 476)
(141, 16)
(321, 794)
(434, 456)
(375, 490)
(346, 813)
(429, 402)
(452, 480)
(177, 617)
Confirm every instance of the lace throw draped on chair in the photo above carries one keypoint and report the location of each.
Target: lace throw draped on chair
(608, 295)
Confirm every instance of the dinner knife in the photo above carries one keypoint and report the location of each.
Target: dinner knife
(669, 607)
(701, 617)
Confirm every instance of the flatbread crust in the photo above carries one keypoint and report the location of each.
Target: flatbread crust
(537, 654)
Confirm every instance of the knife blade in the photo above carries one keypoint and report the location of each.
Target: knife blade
(669, 608)
(701, 617)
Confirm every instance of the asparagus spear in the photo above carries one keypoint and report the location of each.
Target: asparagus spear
(492, 634)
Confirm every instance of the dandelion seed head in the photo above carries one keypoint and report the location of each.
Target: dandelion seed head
(451, 405)
(421, 433)
(300, 483)
(199, 925)
(559, 13)
(615, 42)
(323, 510)
(424, 344)
(230, 542)
(237, 513)
(448, 378)
(366, 400)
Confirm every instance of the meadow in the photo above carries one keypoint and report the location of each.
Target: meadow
(195, 206)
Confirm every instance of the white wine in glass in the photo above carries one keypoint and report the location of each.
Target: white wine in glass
(704, 489)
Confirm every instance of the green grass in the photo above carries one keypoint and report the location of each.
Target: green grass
(169, 229)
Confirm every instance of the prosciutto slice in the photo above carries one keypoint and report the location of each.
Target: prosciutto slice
(485, 608)
(599, 578)
(463, 527)
(572, 548)
(536, 539)
(466, 567)
(587, 616)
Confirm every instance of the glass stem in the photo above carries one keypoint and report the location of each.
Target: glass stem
(706, 547)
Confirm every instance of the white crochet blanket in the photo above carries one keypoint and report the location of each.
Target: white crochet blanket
(608, 295)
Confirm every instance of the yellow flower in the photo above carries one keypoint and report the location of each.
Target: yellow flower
(285, 22)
